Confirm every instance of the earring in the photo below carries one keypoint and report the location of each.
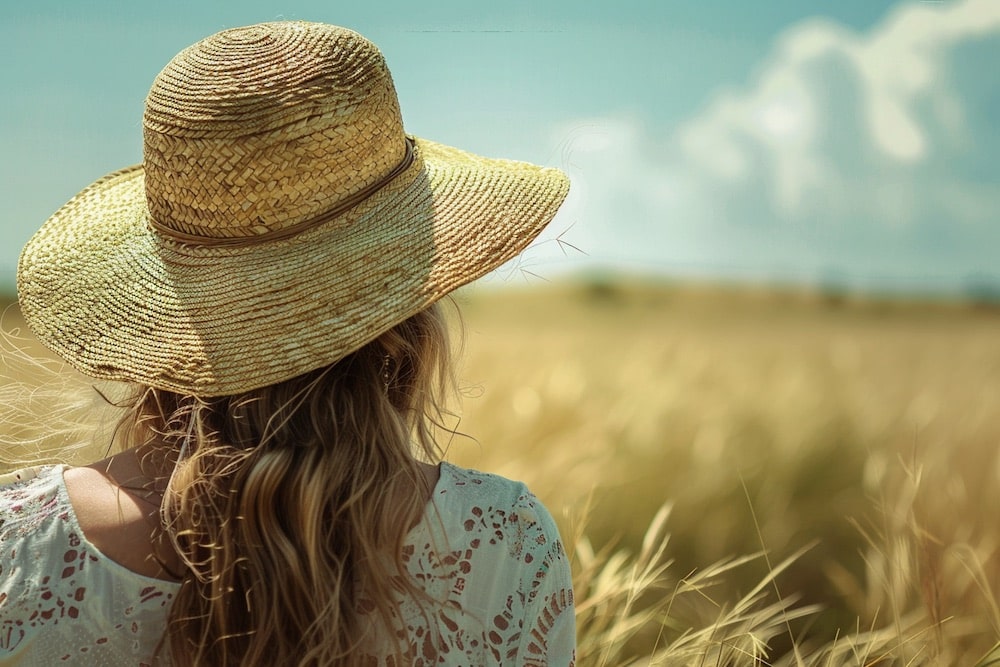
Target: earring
(386, 377)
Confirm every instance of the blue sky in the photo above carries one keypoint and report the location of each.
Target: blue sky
(848, 140)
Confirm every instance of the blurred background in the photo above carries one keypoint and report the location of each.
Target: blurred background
(771, 301)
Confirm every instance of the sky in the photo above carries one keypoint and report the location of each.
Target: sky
(842, 142)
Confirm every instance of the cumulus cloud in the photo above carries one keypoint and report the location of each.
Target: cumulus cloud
(866, 155)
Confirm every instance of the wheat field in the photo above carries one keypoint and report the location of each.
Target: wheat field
(741, 476)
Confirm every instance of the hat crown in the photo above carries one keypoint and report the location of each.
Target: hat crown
(258, 129)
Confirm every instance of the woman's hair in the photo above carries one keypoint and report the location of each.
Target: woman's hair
(289, 504)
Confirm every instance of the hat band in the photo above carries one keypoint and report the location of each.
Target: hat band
(277, 234)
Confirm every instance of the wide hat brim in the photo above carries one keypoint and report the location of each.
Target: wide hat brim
(119, 301)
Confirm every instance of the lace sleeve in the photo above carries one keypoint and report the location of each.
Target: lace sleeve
(548, 637)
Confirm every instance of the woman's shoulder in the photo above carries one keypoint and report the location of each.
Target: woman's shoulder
(455, 478)
(490, 509)
(503, 569)
(468, 487)
(61, 596)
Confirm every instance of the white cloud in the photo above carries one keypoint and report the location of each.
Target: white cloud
(865, 153)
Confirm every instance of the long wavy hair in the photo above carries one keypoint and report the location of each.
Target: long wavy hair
(288, 505)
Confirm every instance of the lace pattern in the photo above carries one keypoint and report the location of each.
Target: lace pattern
(61, 600)
(487, 552)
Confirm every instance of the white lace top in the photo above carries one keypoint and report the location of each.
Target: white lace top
(503, 578)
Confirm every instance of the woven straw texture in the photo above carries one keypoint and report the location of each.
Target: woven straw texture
(280, 220)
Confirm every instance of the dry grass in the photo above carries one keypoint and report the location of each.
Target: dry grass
(866, 431)
(826, 469)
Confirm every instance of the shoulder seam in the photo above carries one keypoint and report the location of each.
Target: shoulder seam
(22, 475)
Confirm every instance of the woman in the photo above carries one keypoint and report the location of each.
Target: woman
(266, 282)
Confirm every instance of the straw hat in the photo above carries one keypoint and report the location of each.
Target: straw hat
(280, 220)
